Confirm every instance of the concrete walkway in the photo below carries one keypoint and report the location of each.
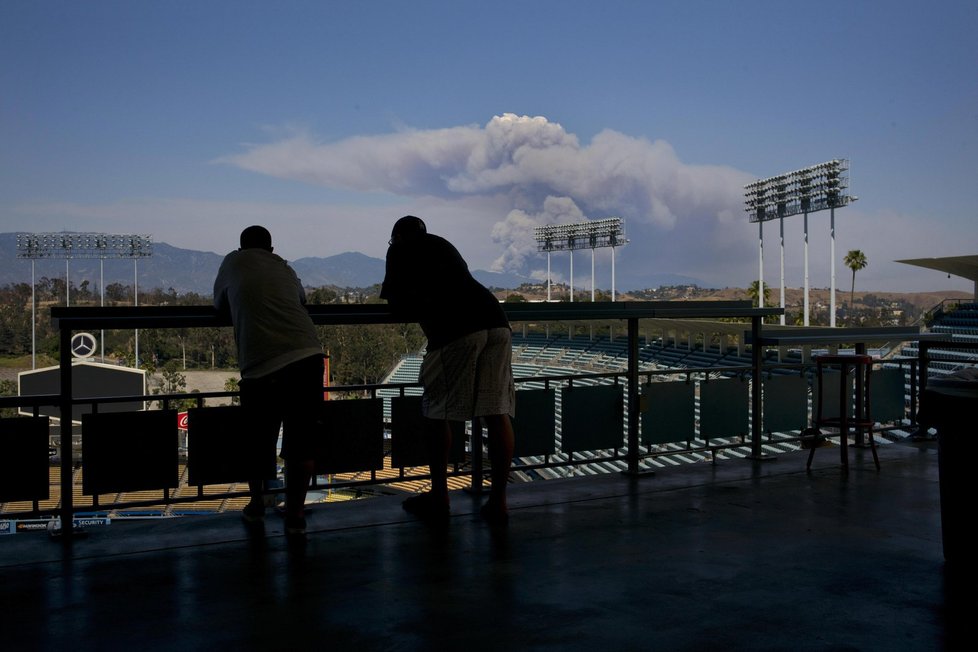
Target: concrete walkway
(740, 556)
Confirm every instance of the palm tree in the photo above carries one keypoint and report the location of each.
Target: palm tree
(854, 260)
(754, 293)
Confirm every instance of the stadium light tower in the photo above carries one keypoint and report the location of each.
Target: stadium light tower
(593, 234)
(83, 245)
(812, 189)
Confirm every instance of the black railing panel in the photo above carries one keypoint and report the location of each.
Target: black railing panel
(405, 451)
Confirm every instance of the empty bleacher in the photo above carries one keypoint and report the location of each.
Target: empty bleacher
(959, 323)
(535, 355)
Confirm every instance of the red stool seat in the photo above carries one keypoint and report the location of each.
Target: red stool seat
(861, 366)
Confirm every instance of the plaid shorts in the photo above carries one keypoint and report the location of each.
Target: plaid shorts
(469, 377)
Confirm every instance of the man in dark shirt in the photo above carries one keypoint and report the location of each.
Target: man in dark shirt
(467, 369)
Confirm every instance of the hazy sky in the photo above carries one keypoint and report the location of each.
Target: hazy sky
(326, 121)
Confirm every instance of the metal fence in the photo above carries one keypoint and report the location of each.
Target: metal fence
(616, 420)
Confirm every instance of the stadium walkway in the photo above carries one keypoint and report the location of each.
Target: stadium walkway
(740, 556)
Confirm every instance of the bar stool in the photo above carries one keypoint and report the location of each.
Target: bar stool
(862, 367)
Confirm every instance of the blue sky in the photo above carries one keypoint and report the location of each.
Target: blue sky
(326, 121)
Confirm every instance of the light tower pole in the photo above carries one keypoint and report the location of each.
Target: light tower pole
(781, 225)
(832, 267)
(812, 189)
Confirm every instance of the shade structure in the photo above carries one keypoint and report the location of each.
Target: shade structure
(963, 266)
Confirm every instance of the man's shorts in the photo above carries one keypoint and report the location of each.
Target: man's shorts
(469, 377)
(289, 398)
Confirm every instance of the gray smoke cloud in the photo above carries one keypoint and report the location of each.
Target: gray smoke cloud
(542, 172)
(515, 233)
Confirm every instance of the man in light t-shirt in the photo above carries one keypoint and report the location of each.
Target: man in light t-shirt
(281, 362)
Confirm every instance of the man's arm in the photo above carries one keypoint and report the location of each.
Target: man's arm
(221, 303)
(392, 289)
(298, 284)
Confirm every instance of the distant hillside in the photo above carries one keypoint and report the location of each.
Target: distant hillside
(186, 270)
(346, 270)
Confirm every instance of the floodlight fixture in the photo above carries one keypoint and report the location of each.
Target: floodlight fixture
(809, 190)
(83, 245)
(67, 246)
(592, 234)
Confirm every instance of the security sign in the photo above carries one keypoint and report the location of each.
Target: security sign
(83, 345)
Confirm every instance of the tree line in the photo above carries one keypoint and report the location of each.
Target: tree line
(358, 354)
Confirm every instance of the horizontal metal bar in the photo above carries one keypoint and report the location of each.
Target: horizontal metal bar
(124, 317)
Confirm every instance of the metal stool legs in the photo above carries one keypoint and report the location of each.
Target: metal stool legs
(861, 419)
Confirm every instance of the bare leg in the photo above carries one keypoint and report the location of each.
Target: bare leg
(434, 504)
(255, 488)
(501, 441)
(439, 441)
(297, 476)
(254, 511)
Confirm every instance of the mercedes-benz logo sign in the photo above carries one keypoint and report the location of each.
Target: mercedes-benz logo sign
(83, 345)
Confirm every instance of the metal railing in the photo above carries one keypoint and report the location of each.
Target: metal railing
(71, 320)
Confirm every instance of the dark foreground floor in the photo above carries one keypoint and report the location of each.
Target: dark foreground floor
(739, 556)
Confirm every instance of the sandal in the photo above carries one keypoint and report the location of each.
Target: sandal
(494, 517)
(426, 506)
(295, 526)
(253, 513)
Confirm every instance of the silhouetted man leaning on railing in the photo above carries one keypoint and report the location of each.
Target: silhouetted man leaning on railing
(467, 370)
(281, 364)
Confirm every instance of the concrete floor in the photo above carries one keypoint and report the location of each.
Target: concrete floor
(739, 556)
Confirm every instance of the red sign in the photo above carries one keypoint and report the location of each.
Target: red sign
(326, 377)
(182, 420)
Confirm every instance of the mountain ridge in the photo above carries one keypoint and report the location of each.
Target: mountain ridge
(188, 270)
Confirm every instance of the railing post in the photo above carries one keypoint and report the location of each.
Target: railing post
(859, 385)
(923, 349)
(755, 396)
(67, 455)
(913, 392)
(476, 444)
(634, 408)
(923, 355)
